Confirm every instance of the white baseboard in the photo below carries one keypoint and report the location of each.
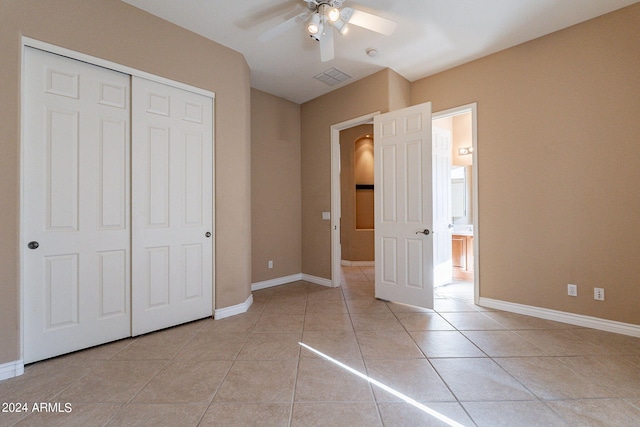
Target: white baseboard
(357, 263)
(317, 280)
(564, 317)
(221, 313)
(276, 282)
(288, 279)
(11, 369)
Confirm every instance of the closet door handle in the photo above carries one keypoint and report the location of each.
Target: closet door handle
(33, 245)
(207, 234)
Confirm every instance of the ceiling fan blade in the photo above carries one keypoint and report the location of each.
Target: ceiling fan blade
(369, 21)
(283, 27)
(326, 45)
(257, 15)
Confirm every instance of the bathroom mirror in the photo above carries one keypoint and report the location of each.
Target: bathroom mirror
(458, 192)
(461, 194)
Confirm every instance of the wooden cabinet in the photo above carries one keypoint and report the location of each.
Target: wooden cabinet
(462, 255)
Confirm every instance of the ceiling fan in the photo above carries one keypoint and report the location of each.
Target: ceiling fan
(325, 15)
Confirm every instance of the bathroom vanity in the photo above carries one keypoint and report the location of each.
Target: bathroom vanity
(462, 254)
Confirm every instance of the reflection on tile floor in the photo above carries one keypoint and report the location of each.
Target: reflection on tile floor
(476, 366)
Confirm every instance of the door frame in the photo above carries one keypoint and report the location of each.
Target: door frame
(336, 248)
(51, 48)
(455, 111)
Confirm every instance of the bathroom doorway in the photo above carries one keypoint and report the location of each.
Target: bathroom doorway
(471, 287)
(458, 125)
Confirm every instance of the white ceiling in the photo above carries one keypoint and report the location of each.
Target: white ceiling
(431, 36)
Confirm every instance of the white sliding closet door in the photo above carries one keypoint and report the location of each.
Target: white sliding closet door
(75, 211)
(172, 205)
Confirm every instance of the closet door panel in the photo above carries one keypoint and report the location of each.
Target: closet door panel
(75, 205)
(113, 157)
(172, 204)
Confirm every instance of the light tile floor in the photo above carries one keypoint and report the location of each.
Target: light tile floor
(476, 366)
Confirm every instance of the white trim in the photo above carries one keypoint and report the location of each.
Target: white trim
(318, 280)
(288, 279)
(564, 317)
(336, 249)
(27, 41)
(473, 109)
(221, 313)
(11, 369)
(276, 282)
(357, 263)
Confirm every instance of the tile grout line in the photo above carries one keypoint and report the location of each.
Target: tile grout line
(233, 362)
(537, 398)
(298, 360)
(433, 367)
(366, 368)
(167, 363)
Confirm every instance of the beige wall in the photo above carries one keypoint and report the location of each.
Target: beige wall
(275, 186)
(399, 91)
(362, 97)
(559, 165)
(356, 245)
(115, 31)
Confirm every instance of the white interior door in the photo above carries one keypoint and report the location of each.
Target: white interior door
(403, 206)
(172, 204)
(75, 211)
(442, 217)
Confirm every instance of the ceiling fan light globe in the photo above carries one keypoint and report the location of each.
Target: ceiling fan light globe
(319, 33)
(333, 14)
(314, 26)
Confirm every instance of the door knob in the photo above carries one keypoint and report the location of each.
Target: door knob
(425, 232)
(207, 234)
(33, 245)
(450, 225)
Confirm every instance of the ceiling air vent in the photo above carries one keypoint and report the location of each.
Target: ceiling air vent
(332, 76)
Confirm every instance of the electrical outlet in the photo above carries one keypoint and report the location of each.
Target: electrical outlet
(598, 294)
(572, 290)
(270, 264)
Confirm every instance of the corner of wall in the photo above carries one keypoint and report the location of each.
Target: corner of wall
(399, 91)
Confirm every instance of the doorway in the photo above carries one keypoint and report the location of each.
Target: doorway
(336, 255)
(357, 201)
(461, 124)
(336, 198)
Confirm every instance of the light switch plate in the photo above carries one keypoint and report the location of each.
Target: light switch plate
(326, 215)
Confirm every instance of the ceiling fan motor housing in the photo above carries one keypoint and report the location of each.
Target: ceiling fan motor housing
(315, 5)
